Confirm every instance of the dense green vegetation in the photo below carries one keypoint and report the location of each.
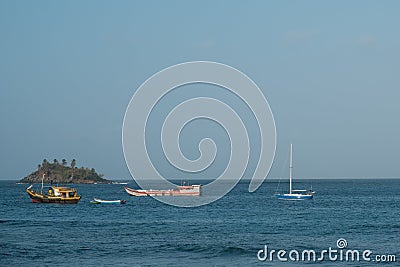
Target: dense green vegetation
(56, 172)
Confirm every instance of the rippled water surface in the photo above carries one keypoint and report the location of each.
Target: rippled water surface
(229, 232)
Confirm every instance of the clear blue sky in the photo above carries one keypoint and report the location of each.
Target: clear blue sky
(329, 69)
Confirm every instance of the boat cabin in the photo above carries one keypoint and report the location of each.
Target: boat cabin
(64, 192)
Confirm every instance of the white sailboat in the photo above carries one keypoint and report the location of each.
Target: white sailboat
(294, 194)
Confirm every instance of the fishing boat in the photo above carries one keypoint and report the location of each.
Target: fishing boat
(294, 194)
(102, 201)
(55, 194)
(183, 190)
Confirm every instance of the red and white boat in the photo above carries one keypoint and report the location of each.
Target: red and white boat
(183, 190)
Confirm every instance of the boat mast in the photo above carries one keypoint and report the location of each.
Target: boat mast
(291, 170)
(41, 191)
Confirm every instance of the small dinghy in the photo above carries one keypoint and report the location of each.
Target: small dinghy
(102, 201)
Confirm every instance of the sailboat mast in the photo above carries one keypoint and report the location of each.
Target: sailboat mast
(291, 169)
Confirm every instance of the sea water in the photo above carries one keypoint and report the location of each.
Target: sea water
(229, 232)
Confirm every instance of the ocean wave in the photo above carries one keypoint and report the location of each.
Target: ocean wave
(235, 251)
(210, 251)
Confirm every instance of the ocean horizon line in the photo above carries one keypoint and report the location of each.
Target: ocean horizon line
(249, 178)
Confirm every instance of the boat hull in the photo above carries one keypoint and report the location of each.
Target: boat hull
(101, 201)
(181, 191)
(294, 197)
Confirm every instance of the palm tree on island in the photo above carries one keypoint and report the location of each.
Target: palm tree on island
(45, 167)
(73, 163)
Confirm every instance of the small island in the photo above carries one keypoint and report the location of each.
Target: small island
(60, 173)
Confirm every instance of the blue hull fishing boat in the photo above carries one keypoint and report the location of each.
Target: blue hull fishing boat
(102, 201)
(295, 194)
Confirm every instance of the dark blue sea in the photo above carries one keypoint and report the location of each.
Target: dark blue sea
(228, 232)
